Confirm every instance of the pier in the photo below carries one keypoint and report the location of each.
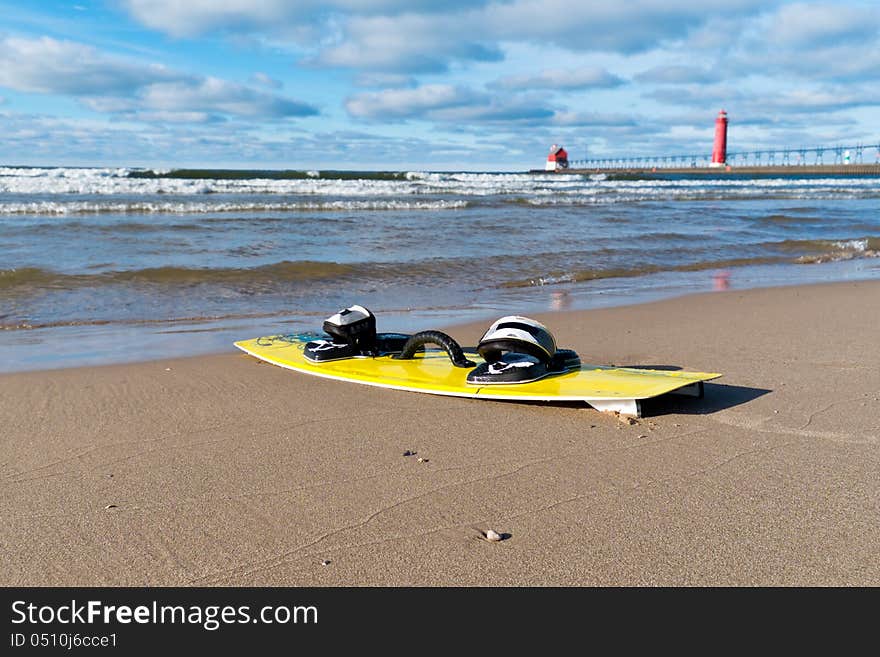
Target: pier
(858, 160)
(729, 171)
(840, 160)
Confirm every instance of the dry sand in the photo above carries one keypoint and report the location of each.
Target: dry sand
(221, 471)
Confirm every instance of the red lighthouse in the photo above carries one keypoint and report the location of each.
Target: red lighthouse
(719, 149)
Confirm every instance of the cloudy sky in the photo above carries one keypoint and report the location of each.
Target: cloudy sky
(424, 84)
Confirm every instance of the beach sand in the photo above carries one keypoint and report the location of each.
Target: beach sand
(221, 471)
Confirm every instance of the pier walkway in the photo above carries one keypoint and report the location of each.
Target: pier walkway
(765, 171)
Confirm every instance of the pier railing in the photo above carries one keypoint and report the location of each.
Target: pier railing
(838, 155)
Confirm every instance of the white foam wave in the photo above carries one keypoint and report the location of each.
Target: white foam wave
(87, 207)
(853, 245)
(552, 280)
(539, 189)
(64, 172)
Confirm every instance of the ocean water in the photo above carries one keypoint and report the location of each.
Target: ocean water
(113, 265)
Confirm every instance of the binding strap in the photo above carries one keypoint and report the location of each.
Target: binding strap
(452, 348)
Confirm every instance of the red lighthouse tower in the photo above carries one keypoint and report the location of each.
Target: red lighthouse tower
(719, 149)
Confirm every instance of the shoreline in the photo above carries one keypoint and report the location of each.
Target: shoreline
(155, 336)
(214, 470)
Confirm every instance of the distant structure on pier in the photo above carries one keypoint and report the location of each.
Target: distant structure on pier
(557, 159)
(850, 160)
(719, 148)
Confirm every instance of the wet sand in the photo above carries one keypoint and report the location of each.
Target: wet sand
(218, 470)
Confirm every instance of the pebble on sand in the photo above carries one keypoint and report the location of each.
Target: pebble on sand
(492, 536)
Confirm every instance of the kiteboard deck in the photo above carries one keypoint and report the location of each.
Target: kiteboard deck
(605, 388)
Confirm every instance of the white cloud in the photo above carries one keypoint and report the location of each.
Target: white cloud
(449, 104)
(112, 84)
(194, 17)
(424, 43)
(590, 77)
(782, 103)
(49, 66)
(215, 95)
(495, 111)
(426, 36)
(166, 117)
(385, 80)
(676, 74)
(199, 16)
(266, 80)
(406, 103)
(827, 99)
(817, 42)
(626, 27)
(36, 139)
(420, 42)
(814, 24)
(593, 119)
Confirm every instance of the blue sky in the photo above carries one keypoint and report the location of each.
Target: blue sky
(388, 84)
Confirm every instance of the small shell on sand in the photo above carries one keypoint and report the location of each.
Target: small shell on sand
(492, 536)
(325, 562)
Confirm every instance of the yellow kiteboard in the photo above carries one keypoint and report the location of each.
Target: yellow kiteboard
(617, 389)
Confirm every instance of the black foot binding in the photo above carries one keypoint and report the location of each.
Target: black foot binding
(564, 360)
(520, 350)
(509, 368)
(351, 333)
(322, 351)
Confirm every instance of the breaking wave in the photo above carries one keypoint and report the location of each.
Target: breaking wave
(808, 252)
(828, 251)
(286, 271)
(537, 189)
(149, 207)
(583, 275)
